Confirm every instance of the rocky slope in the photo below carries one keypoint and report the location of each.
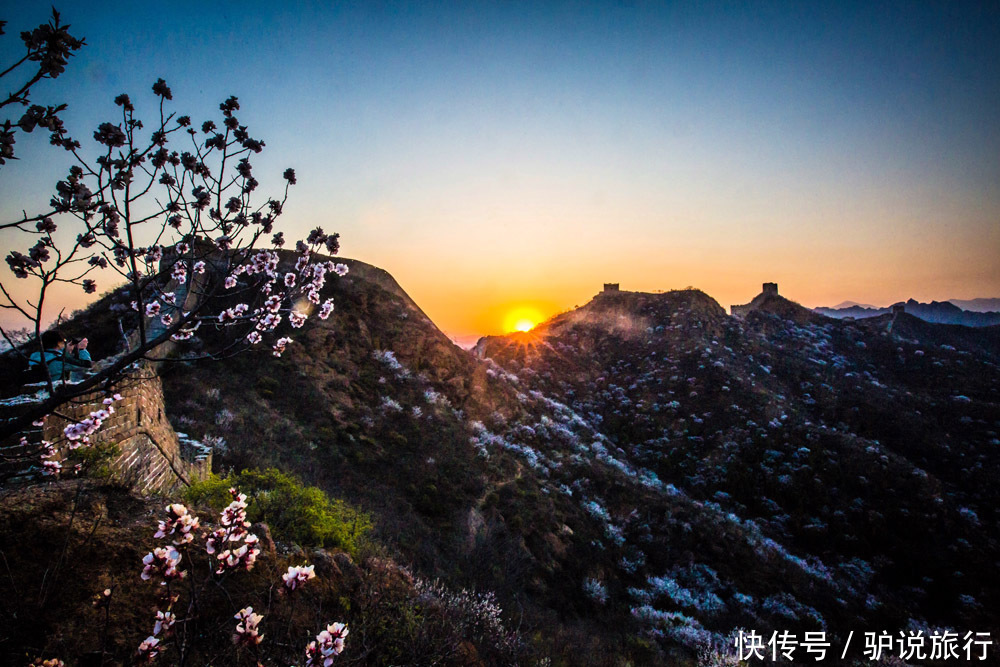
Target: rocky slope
(783, 470)
(636, 478)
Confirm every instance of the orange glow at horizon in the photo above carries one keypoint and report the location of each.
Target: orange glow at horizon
(522, 318)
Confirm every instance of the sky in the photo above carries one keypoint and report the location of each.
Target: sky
(513, 156)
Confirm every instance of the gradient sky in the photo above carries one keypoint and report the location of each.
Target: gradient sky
(498, 155)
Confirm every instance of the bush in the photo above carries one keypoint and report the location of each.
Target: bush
(293, 511)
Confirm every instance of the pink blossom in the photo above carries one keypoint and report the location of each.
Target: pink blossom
(242, 557)
(279, 346)
(326, 309)
(253, 337)
(50, 465)
(149, 649)
(179, 522)
(153, 309)
(302, 262)
(329, 643)
(246, 629)
(164, 621)
(235, 513)
(298, 575)
(269, 322)
(289, 279)
(230, 282)
(163, 562)
(297, 319)
(185, 334)
(199, 267)
(273, 303)
(78, 433)
(179, 272)
(234, 522)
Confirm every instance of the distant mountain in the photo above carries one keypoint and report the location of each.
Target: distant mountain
(851, 304)
(977, 305)
(939, 312)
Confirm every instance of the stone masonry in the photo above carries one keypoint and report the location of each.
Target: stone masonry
(149, 457)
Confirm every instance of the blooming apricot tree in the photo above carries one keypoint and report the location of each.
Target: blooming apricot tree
(231, 548)
(171, 212)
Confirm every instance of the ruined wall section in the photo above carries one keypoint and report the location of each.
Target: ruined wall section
(149, 456)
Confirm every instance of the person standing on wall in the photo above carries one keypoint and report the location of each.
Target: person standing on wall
(64, 361)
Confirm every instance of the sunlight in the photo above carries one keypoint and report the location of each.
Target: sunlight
(522, 318)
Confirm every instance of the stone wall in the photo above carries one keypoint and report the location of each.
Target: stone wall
(148, 454)
(744, 310)
(740, 311)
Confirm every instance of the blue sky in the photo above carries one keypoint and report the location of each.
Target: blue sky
(496, 154)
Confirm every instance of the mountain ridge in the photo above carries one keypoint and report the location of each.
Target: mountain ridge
(638, 476)
(940, 312)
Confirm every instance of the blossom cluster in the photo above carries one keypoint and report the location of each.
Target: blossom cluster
(298, 575)
(78, 433)
(50, 462)
(222, 542)
(328, 644)
(162, 562)
(179, 522)
(246, 629)
(149, 649)
(151, 646)
(307, 278)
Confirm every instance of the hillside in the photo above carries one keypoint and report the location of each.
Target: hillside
(790, 469)
(639, 476)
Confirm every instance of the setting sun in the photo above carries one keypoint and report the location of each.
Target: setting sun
(522, 318)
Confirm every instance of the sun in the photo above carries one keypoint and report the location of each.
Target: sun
(522, 318)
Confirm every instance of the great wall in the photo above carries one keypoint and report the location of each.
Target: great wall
(146, 454)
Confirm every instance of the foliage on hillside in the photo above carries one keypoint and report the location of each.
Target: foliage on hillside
(78, 540)
(303, 515)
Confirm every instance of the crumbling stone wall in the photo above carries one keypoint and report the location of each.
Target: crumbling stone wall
(150, 458)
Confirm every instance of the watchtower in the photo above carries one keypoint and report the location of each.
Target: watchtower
(770, 288)
(611, 287)
(898, 309)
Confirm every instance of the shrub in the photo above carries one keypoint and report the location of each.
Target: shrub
(293, 511)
